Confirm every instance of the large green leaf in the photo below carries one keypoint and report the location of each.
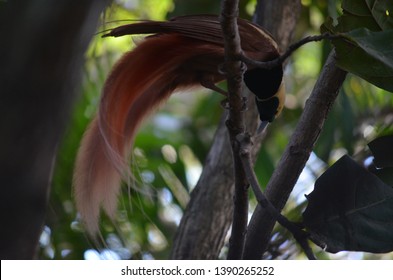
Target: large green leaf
(366, 46)
(369, 55)
(382, 12)
(350, 209)
(375, 15)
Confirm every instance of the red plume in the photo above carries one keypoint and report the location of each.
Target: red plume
(185, 52)
(137, 84)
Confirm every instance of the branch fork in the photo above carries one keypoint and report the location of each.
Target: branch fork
(297, 153)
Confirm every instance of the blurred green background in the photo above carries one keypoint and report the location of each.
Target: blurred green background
(172, 144)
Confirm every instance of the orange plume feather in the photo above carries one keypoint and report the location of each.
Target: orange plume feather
(138, 83)
(185, 52)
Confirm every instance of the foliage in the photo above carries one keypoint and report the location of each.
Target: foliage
(350, 209)
(168, 162)
(368, 29)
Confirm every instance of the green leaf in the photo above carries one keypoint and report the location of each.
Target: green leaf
(382, 12)
(368, 55)
(367, 43)
(370, 14)
(325, 143)
(350, 209)
(347, 122)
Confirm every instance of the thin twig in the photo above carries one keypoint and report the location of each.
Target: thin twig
(233, 69)
(292, 48)
(245, 155)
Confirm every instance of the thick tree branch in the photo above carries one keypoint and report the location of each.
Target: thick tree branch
(295, 156)
(301, 236)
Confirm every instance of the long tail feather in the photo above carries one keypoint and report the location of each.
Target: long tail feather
(138, 83)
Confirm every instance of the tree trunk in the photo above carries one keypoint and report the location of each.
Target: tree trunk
(41, 54)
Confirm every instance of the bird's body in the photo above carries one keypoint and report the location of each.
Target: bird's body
(182, 53)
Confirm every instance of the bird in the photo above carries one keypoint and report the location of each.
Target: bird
(184, 52)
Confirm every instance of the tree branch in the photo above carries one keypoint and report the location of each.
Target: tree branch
(291, 49)
(301, 236)
(233, 68)
(295, 156)
(208, 215)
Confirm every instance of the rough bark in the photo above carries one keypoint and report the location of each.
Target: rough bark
(279, 18)
(41, 56)
(207, 217)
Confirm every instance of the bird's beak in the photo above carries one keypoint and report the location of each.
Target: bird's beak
(262, 127)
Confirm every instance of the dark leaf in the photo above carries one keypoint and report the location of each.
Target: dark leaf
(385, 174)
(373, 15)
(382, 12)
(368, 55)
(350, 209)
(382, 149)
